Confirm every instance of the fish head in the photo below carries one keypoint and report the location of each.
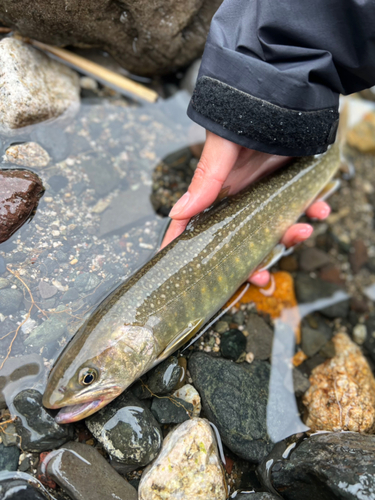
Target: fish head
(80, 384)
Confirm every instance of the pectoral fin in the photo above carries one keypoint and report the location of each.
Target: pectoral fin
(180, 340)
(272, 258)
(328, 190)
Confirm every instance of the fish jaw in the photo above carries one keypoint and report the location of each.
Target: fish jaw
(73, 413)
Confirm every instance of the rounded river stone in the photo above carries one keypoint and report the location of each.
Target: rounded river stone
(128, 430)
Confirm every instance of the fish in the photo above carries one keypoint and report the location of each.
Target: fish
(166, 302)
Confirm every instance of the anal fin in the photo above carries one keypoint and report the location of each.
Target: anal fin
(328, 190)
(272, 258)
(180, 340)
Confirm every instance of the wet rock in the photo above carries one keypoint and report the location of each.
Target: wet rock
(256, 496)
(126, 209)
(190, 394)
(101, 173)
(36, 427)
(85, 282)
(85, 474)
(171, 410)
(188, 466)
(239, 318)
(28, 154)
(342, 392)
(9, 457)
(312, 259)
(332, 274)
(260, 338)
(234, 398)
(328, 466)
(164, 377)
(127, 430)
(370, 339)
(300, 383)
(21, 489)
(46, 290)
(221, 326)
(358, 256)
(310, 290)
(359, 334)
(33, 87)
(10, 300)
(144, 38)
(20, 191)
(50, 330)
(312, 341)
(4, 283)
(233, 344)
(70, 296)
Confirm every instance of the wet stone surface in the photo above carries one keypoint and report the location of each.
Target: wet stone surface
(233, 343)
(127, 430)
(85, 474)
(235, 400)
(161, 380)
(9, 457)
(326, 466)
(20, 489)
(260, 338)
(36, 427)
(171, 410)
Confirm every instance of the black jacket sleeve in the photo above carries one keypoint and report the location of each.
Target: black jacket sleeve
(272, 71)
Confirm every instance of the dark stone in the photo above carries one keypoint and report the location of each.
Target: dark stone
(234, 398)
(233, 344)
(69, 296)
(260, 338)
(300, 382)
(20, 191)
(256, 496)
(328, 467)
(312, 341)
(10, 300)
(46, 290)
(332, 274)
(288, 263)
(9, 457)
(50, 330)
(38, 430)
(309, 290)
(239, 318)
(86, 475)
(358, 256)
(85, 282)
(369, 343)
(61, 256)
(127, 430)
(311, 363)
(19, 489)
(163, 378)
(58, 182)
(312, 259)
(171, 410)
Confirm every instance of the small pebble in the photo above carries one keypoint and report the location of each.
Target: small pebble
(359, 333)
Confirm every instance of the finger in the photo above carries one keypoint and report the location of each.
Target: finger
(318, 210)
(176, 227)
(296, 234)
(260, 278)
(217, 160)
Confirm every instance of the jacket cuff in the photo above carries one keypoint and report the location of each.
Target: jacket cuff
(258, 124)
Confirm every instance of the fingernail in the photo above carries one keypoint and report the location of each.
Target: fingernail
(180, 205)
(306, 231)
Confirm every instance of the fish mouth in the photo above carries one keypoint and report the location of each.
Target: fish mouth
(73, 413)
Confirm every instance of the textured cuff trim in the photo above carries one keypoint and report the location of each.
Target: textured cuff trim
(276, 128)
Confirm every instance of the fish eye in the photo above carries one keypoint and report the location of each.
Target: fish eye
(87, 376)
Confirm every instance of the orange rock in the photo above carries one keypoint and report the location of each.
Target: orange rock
(342, 392)
(299, 358)
(362, 135)
(276, 299)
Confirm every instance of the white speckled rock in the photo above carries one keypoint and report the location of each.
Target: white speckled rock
(28, 154)
(33, 87)
(187, 468)
(189, 394)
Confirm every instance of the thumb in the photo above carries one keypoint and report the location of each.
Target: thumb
(217, 160)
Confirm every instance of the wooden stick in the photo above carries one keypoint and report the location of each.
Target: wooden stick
(104, 75)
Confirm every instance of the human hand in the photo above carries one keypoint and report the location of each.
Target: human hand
(224, 164)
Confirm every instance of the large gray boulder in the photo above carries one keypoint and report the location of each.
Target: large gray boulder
(145, 37)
